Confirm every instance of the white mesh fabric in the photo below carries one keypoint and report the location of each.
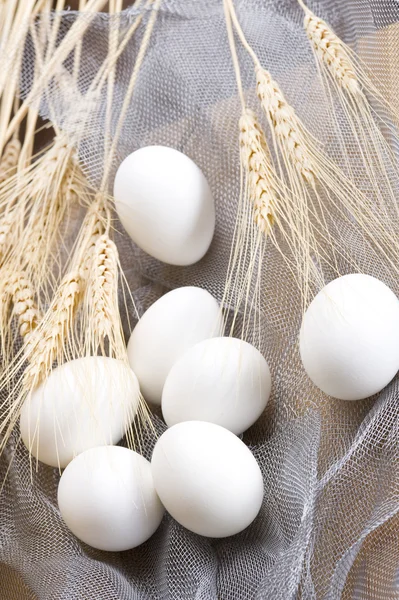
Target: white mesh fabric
(328, 527)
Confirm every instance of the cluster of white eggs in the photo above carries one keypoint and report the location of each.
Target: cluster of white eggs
(210, 388)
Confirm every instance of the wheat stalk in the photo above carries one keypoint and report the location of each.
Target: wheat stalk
(267, 203)
(370, 158)
(306, 195)
(89, 290)
(37, 201)
(67, 45)
(36, 206)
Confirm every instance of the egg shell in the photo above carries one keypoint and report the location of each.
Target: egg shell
(107, 498)
(349, 339)
(165, 204)
(222, 380)
(83, 403)
(174, 323)
(207, 479)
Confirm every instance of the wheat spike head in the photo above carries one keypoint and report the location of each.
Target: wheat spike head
(286, 126)
(50, 339)
(6, 225)
(23, 297)
(331, 52)
(255, 159)
(104, 279)
(36, 202)
(9, 161)
(103, 319)
(18, 299)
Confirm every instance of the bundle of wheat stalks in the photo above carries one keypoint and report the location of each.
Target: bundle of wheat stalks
(293, 194)
(63, 309)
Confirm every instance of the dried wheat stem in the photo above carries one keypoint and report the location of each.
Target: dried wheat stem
(10, 159)
(50, 338)
(286, 125)
(68, 43)
(233, 52)
(330, 50)
(155, 4)
(255, 158)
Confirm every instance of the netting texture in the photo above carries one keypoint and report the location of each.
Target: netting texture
(329, 524)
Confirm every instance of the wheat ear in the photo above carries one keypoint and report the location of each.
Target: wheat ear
(16, 292)
(266, 211)
(371, 158)
(56, 339)
(30, 229)
(7, 222)
(285, 124)
(323, 179)
(255, 158)
(331, 51)
(50, 341)
(271, 200)
(9, 161)
(23, 298)
(103, 330)
(52, 338)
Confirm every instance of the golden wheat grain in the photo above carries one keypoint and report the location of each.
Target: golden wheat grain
(46, 192)
(6, 224)
(50, 339)
(9, 161)
(23, 298)
(103, 324)
(330, 50)
(17, 300)
(105, 283)
(286, 125)
(95, 223)
(255, 158)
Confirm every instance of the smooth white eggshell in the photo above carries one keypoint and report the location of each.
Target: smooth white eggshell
(165, 204)
(107, 498)
(349, 340)
(174, 323)
(84, 403)
(222, 380)
(207, 479)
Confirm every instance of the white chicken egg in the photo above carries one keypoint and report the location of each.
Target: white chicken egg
(349, 340)
(207, 478)
(174, 323)
(107, 498)
(222, 380)
(83, 403)
(165, 204)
